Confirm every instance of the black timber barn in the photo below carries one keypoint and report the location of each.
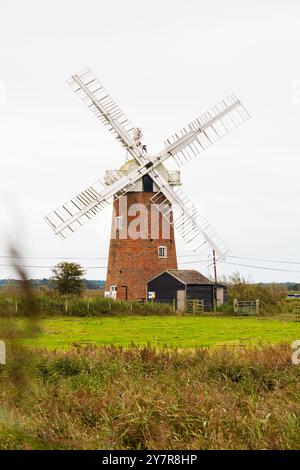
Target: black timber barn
(181, 285)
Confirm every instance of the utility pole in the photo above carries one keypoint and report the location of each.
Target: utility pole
(216, 281)
(215, 266)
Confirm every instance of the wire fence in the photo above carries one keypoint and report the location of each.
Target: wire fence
(80, 306)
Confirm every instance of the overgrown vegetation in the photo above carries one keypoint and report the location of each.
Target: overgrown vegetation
(111, 397)
(272, 297)
(13, 303)
(139, 398)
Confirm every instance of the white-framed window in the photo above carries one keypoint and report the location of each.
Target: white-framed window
(119, 221)
(113, 288)
(162, 251)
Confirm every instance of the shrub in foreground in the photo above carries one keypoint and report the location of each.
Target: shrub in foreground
(141, 398)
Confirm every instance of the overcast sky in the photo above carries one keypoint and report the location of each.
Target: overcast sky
(164, 62)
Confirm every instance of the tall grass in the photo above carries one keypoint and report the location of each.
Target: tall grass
(19, 373)
(140, 398)
(15, 304)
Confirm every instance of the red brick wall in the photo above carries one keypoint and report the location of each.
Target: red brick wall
(131, 262)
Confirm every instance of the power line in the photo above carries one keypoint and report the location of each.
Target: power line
(266, 260)
(33, 266)
(193, 262)
(250, 266)
(72, 258)
(84, 267)
(260, 267)
(47, 257)
(189, 262)
(47, 267)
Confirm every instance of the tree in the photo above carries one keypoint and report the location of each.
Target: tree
(68, 278)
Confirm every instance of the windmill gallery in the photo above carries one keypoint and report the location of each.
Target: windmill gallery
(149, 205)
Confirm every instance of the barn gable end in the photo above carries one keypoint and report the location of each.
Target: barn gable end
(165, 286)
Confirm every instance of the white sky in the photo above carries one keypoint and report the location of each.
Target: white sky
(165, 62)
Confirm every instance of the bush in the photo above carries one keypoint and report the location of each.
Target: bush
(272, 297)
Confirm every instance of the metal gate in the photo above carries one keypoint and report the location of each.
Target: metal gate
(246, 307)
(195, 306)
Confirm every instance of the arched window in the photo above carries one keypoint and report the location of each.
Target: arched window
(147, 184)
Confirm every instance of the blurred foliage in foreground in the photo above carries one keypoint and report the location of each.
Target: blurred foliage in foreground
(140, 398)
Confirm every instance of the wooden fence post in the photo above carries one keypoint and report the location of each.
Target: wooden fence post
(66, 306)
(174, 305)
(257, 307)
(235, 306)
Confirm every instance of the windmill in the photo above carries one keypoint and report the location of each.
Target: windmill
(145, 179)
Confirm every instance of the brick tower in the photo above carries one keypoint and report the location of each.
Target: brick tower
(142, 243)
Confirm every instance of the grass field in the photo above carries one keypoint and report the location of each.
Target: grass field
(182, 332)
(102, 396)
(142, 398)
(145, 379)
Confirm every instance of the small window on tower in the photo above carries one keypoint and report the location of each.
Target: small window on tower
(162, 251)
(147, 184)
(119, 221)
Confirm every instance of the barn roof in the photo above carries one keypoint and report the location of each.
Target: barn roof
(187, 276)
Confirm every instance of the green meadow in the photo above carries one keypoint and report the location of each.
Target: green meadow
(203, 382)
(172, 331)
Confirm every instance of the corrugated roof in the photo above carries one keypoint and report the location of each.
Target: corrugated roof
(189, 276)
